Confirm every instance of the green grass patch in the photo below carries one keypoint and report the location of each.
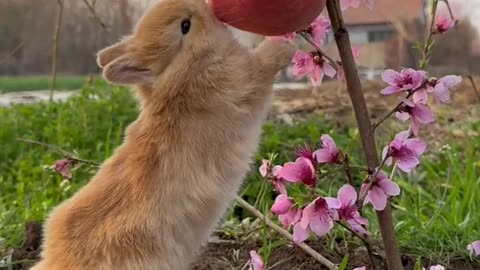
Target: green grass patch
(32, 83)
(437, 214)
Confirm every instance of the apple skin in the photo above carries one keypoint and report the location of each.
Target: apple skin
(267, 17)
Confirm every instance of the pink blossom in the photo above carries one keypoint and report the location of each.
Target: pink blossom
(418, 114)
(287, 37)
(316, 217)
(379, 191)
(347, 197)
(278, 183)
(282, 205)
(436, 267)
(315, 66)
(445, 86)
(407, 80)
(443, 24)
(340, 70)
(63, 167)
(303, 63)
(264, 168)
(319, 30)
(256, 262)
(305, 152)
(474, 248)
(328, 153)
(291, 217)
(266, 171)
(287, 214)
(406, 152)
(361, 268)
(421, 94)
(345, 4)
(302, 170)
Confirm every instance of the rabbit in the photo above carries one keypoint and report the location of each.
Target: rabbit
(203, 97)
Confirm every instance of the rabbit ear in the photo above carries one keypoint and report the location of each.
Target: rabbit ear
(107, 55)
(125, 71)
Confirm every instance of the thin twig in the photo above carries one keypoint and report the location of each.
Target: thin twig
(394, 110)
(91, 8)
(365, 127)
(449, 9)
(63, 152)
(348, 171)
(365, 241)
(317, 256)
(429, 37)
(474, 85)
(11, 53)
(56, 37)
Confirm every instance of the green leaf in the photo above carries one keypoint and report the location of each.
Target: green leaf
(344, 263)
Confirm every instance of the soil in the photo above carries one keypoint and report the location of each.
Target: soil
(332, 102)
(232, 255)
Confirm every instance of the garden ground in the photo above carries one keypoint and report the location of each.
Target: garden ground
(438, 212)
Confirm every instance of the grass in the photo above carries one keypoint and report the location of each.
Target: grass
(437, 215)
(32, 83)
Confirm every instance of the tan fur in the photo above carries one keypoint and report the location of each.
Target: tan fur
(153, 204)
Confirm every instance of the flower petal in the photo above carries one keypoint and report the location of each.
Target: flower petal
(423, 114)
(322, 156)
(407, 163)
(300, 170)
(474, 248)
(402, 116)
(282, 205)
(391, 76)
(389, 187)
(378, 198)
(256, 261)
(307, 214)
(300, 234)
(321, 224)
(347, 195)
(333, 203)
(264, 168)
(416, 145)
(329, 70)
(392, 89)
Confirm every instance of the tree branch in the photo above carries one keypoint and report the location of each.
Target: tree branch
(56, 37)
(11, 53)
(91, 8)
(355, 92)
(474, 85)
(317, 256)
(365, 241)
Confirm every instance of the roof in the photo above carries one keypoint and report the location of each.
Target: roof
(384, 12)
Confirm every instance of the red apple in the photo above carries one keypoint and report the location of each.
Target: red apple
(267, 17)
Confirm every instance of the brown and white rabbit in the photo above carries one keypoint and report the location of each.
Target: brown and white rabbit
(153, 204)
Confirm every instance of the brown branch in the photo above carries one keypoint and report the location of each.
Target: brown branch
(357, 98)
(11, 53)
(61, 151)
(394, 110)
(91, 8)
(348, 171)
(365, 241)
(56, 37)
(474, 85)
(317, 256)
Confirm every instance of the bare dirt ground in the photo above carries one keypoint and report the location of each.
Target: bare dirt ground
(331, 100)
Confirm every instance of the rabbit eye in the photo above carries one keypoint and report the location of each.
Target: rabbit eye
(186, 26)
